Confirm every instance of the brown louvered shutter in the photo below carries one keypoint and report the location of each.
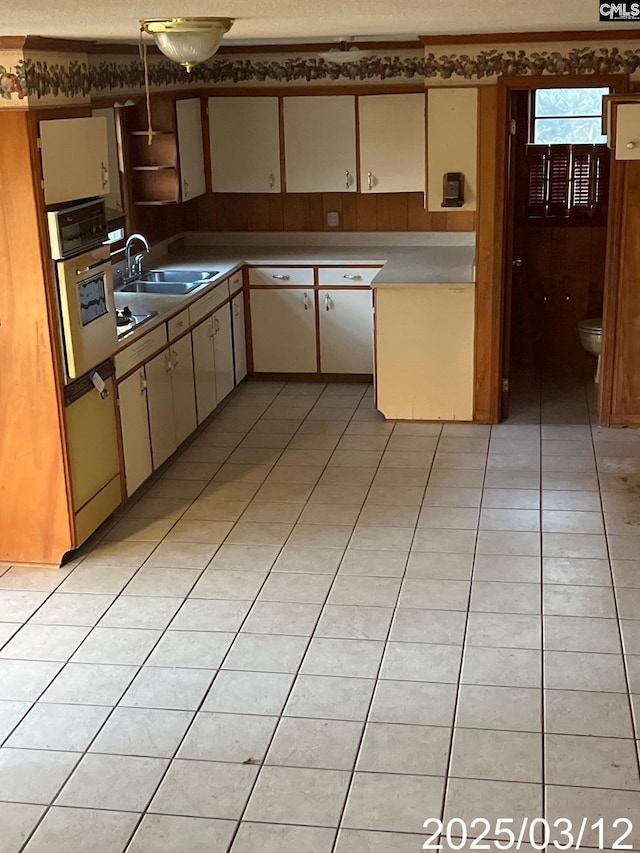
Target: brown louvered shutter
(558, 185)
(582, 180)
(537, 156)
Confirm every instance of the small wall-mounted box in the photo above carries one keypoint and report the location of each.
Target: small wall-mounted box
(453, 189)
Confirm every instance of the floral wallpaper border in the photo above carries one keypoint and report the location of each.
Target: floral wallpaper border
(45, 78)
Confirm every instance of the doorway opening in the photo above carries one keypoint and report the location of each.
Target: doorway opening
(555, 237)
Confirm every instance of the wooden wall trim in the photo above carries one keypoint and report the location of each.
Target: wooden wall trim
(488, 341)
(619, 34)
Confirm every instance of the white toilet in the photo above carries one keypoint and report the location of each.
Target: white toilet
(590, 334)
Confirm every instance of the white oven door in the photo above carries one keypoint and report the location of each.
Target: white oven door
(87, 309)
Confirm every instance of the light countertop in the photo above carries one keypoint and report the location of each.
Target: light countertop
(400, 265)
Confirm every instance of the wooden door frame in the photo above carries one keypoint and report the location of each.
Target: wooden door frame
(492, 242)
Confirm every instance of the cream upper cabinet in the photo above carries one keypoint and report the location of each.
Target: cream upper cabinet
(190, 148)
(283, 330)
(320, 143)
(245, 145)
(392, 143)
(346, 331)
(113, 198)
(627, 131)
(452, 142)
(75, 158)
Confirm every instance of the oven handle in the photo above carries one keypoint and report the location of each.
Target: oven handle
(83, 270)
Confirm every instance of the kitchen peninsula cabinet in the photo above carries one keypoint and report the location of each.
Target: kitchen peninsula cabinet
(425, 351)
(244, 135)
(320, 144)
(75, 158)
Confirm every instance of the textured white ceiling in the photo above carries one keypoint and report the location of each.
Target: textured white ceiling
(302, 19)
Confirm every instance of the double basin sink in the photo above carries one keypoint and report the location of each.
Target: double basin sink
(169, 282)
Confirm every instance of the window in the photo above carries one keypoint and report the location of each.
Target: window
(567, 116)
(567, 158)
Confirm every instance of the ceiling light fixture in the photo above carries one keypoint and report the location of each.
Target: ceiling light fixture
(187, 41)
(342, 54)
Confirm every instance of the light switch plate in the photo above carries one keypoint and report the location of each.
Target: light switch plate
(333, 219)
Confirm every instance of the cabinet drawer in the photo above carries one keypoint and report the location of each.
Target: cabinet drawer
(178, 325)
(281, 276)
(140, 351)
(208, 303)
(347, 276)
(235, 282)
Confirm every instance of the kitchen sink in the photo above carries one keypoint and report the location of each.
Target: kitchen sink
(178, 275)
(169, 282)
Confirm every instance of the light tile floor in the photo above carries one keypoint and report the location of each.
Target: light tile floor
(316, 630)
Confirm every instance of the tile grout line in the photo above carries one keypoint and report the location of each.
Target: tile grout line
(376, 679)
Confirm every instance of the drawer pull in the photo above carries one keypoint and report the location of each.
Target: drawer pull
(352, 277)
(281, 277)
(180, 324)
(327, 302)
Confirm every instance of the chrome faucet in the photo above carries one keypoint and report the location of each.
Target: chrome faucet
(134, 268)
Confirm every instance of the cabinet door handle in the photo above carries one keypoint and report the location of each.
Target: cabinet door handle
(352, 277)
(369, 180)
(167, 360)
(272, 181)
(143, 382)
(281, 277)
(211, 329)
(176, 358)
(105, 175)
(347, 179)
(327, 302)
(631, 145)
(236, 310)
(185, 188)
(305, 300)
(216, 325)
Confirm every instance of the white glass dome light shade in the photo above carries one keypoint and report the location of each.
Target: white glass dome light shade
(187, 41)
(342, 57)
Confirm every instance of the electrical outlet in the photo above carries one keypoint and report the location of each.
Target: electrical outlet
(333, 219)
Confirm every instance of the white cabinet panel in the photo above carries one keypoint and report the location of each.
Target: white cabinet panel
(134, 424)
(160, 401)
(75, 157)
(320, 143)
(347, 276)
(190, 148)
(627, 131)
(283, 330)
(223, 351)
(204, 367)
(245, 145)
(392, 143)
(452, 142)
(182, 385)
(239, 337)
(113, 198)
(346, 331)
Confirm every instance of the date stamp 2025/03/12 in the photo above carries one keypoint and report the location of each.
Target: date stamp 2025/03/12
(538, 833)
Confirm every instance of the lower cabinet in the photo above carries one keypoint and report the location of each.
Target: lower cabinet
(134, 423)
(346, 331)
(239, 337)
(213, 361)
(283, 330)
(171, 399)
